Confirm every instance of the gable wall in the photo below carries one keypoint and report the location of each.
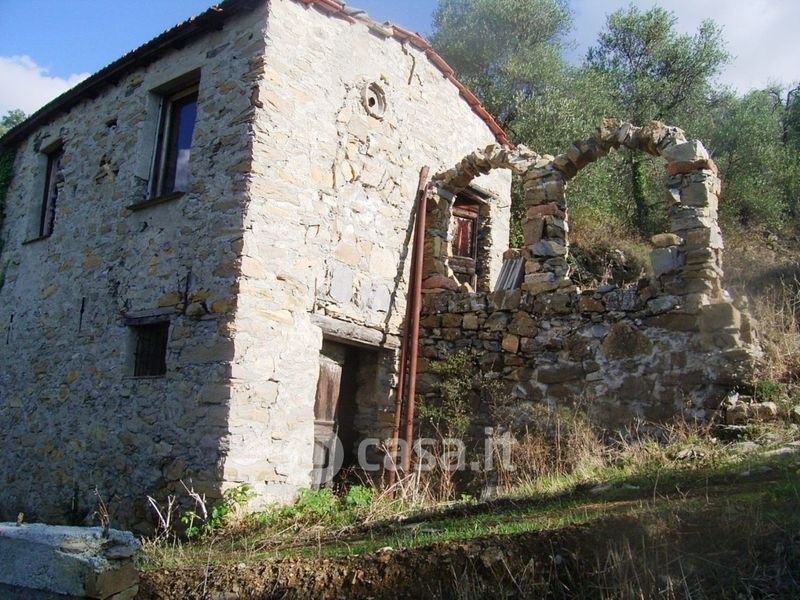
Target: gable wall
(329, 224)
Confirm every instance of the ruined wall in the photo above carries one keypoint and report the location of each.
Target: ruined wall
(72, 417)
(672, 344)
(329, 225)
(619, 354)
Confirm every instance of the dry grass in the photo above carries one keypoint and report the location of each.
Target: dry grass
(777, 313)
(553, 443)
(603, 250)
(764, 269)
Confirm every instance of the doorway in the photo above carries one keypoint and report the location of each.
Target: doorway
(335, 407)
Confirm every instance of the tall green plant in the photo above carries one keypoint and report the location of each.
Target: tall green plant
(655, 73)
(760, 173)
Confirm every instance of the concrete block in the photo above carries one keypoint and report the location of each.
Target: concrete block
(73, 561)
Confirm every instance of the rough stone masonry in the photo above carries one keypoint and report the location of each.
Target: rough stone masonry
(673, 344)
(311, 130)
(294, 227)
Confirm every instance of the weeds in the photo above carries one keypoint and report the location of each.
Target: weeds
(448, 421)
(321, 508)
(605, 251)
(778, 316)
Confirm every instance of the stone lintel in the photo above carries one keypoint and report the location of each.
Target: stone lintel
(352, 334)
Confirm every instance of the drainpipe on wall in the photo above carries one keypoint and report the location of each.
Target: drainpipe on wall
(409, 349)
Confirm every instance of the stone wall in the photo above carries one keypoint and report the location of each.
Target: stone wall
(674, 343)
(73, 419)
(328, 231)
(310, 134)
(619, 354)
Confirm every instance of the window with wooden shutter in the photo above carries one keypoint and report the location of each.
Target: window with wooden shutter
(463, 262)
(52, 186)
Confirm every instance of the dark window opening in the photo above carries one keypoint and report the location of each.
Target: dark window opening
(150, 354)
(171, 166)
(52, 185)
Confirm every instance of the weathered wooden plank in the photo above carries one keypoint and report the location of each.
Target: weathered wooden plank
(352, 334)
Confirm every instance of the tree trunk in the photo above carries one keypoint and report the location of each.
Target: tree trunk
(639, 188)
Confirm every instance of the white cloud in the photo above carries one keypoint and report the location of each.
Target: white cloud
(26, 85)
(760, 34)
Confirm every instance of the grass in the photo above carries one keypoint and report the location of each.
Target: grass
(765, 270)
(719, 529)
(642, 477)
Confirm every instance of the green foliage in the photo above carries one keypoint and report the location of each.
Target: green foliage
(504, 49)
(760, 174)
(322, 507)
(767, 390)
(10, 119)
(316, 503)
(200, 523)
(450, 417)
(655, 72)
(359, 498)
(509, 53)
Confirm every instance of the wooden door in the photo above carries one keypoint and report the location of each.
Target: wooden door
(327, 449)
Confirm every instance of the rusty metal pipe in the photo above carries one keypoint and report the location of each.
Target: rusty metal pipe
(400, 389)
(416, 257)
(413, 351)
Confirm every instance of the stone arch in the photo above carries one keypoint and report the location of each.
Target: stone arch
(687, 260)
(447, 186)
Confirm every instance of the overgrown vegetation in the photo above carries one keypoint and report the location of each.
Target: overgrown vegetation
(558, 457)
(640, 68)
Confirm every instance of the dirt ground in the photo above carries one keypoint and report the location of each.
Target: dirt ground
(687, 544)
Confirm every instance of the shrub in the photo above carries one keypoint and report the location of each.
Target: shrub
(201, 522)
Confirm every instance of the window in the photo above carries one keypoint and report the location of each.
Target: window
(466, 219)
(53, 183)
(150, 353)
(465, 227)
(171, 165)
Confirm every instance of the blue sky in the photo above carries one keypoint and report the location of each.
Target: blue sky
(79, 36)
(47, 46)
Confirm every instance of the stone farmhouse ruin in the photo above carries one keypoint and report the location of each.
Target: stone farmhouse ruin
(207, 256)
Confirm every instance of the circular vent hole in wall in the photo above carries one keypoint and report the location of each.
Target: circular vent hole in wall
(375, 100)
